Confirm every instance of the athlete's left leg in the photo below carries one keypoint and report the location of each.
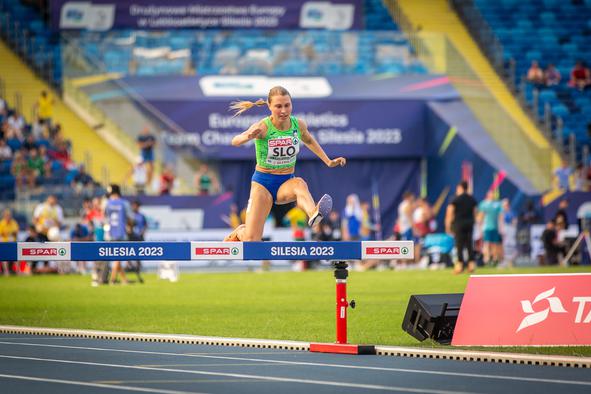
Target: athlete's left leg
(296, 189)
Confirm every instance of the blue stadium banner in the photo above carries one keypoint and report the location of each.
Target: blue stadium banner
(104, 15)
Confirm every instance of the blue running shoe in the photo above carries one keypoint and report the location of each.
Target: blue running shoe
(323, 208)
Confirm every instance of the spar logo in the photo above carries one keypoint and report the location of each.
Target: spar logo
(554, 305)
(221, 251)
(383, 250)
(44, 251)
(281, 142)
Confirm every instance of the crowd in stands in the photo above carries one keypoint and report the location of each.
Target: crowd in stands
(36, 154)
(545, 47)
(579, 77)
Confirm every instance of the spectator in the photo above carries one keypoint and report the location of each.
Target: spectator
(405, 213)
(17, 122)
(298, 221)
(351, 219)
(561, 217)
(368, 228)
(37, 128)
(81, 233)
(140, 223)
(48, 214)
(82, 181)
(12, 139)
(489, 216)
(43, 138)
(86, 207)
(20, 170)
(335, 224)
(44, 108)
(562, 175)
(137, 232)
(552, 248)
(95, 214)
(508, 233)
(459, 222)
(535, 74)
(139, 176)
(5, 151)
(118, 215)
(29, 144)
(37, 167)
(552, 75)
(526, 219)
(580, 178)
(8, 233)
(421, 224)
(34, 236)
(580, 77)
(146, 143)
(206, 181)
(167, 178)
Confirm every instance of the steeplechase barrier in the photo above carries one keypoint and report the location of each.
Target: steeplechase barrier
(337, 252)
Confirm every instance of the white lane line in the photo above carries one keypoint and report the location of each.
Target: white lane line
(89, 384)
(404, 370)
(245, 376)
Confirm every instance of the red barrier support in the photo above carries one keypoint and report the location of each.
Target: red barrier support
(341, 345)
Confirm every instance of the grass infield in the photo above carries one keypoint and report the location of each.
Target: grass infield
(271, 305)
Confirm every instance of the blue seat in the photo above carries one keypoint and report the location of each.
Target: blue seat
(560, 110)
(547, 95)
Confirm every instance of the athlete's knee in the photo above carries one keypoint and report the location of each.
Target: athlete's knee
(250, 237)
(300, 184)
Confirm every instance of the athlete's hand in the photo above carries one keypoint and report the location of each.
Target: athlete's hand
(254, 133)
(339, 161)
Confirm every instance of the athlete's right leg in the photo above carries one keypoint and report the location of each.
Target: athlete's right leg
(258, 208)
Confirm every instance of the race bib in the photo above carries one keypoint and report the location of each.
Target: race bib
(282, 151)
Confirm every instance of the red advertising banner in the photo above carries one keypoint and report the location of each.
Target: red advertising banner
(525, 310)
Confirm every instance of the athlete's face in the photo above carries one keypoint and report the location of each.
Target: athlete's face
(280, 107)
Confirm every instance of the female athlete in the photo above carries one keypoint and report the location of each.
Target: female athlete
(277, 141)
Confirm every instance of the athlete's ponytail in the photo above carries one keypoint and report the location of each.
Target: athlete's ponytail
(241, 106)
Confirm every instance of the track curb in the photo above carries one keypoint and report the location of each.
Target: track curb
(443, 354)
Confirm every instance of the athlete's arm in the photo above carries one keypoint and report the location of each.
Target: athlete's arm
(314, 146)
(257, 130)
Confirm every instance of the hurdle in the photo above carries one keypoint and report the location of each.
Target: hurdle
(338, 253)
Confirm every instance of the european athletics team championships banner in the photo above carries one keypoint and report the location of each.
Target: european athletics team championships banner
(103, 15)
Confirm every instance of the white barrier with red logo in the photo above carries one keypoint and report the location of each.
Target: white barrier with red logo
(525, 310)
